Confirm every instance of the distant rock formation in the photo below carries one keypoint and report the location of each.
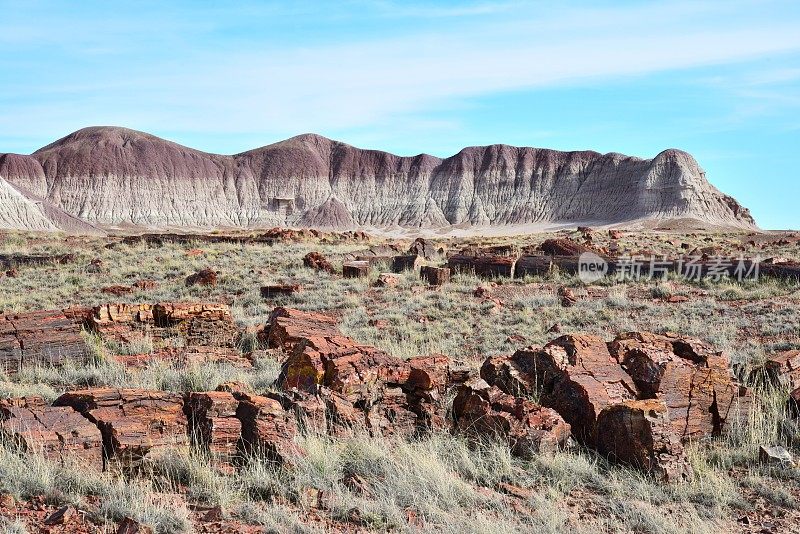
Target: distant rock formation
(116, 176)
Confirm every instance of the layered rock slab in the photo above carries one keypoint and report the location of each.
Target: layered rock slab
(134, 422)
(639, 433)
(59, 433)
(484, 412)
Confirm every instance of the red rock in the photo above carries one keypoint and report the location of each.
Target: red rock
(435, 276)
(318, 262)
(117, 290)
(692, 379)
(63, 515)
(639, 433)
(578, 378)
(484, 412)
(355, 269)
(134, 422)
(505, 373)
(204, 277)
(194, 252)
(214, 427)
(288, 327)
(615, 234)
(267, 428)
(59, 433)
(131, 526)
(564, 247)
(42, 338)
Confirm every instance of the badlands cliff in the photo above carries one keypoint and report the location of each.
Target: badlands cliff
(114, 176)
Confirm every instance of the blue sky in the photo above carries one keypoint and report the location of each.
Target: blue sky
(718, 79)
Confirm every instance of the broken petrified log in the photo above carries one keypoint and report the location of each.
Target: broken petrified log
(42, 338)
(485, 412)
(287, 327)
(267, 428)
(693, 380)
(424, 248)
(483, 266)
(214, 427)
(639, 433)
(134, 422)
(355, 269)
(781, 370)
(434, 276)
(578, 378)
(406, 263)
(59, 433)
(318, 262)
(279, 290)
(564, 247)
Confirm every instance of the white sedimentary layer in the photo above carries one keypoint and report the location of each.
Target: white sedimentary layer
(119, 176)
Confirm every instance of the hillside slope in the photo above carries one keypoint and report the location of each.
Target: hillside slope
(116, 176)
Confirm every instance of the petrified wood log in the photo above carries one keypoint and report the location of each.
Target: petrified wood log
(639, 433)
(692, 379)
(134, 422)
(42, 338)
(59, 433)
(483, 266)
(406, 263)
(267, 428)
(434, 276)
(214, 427)
(578, 378)
(485, 412)
(355, 269)
(287, 327)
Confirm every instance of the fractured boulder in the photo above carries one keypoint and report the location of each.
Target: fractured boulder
(214, 427)
(134, 422)
(59, 433)
(485, 412)
(639, 433)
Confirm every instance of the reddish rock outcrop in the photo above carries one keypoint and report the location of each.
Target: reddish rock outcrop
(134, 422)
(287, 327)
(485, 412)
(42, 338)
(59, 433)
(692, 379)
(639, 433)
(267, 428)
(214, 426)
(318, 262)
(579, 378)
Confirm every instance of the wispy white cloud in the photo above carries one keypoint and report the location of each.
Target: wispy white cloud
(178, 74)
